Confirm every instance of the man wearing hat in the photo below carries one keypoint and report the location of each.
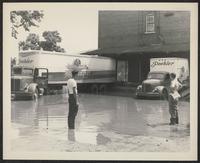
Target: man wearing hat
(73, 100)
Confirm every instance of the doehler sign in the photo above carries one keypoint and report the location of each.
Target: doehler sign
(161, 62)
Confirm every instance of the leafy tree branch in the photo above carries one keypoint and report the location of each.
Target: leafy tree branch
(25, 19)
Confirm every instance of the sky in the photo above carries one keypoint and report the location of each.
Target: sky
(78, 29)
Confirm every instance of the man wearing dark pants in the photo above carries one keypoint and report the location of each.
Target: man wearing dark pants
(173, 110)
(73, 100)
(173, 99)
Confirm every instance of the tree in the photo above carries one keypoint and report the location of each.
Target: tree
(52, 38)
(13, 61)
(25, 19)
(32, 42)
(50, 44)
(47, 46)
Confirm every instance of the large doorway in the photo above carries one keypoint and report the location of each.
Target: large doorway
(122, 71)
(138, 68)
(134, 70)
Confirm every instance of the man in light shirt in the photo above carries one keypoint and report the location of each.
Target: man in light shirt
(73, 100)
(174, 96)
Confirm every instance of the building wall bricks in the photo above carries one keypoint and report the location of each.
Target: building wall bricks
(127, 28)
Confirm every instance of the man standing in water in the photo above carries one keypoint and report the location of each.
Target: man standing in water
(173, 99)
(73, 100)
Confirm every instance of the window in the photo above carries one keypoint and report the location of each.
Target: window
(156, 76)
(27, 71)
(150, 24)
(17, 71)
(42, 73)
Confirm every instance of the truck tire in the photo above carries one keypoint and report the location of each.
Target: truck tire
(137, 96)
(46, 92)
(94, 89)
(102, 88)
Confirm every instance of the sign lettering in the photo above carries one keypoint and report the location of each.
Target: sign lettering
(25, 54)
(162, 63)
(28, 60)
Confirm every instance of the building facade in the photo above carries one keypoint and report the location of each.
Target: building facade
(134, 37)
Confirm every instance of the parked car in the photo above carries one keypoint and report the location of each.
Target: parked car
(158, 78)
(155, 85)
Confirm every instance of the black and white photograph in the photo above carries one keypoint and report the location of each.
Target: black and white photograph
(100, 81)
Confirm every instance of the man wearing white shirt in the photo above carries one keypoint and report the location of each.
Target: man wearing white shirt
(174, 96)
(73, 100)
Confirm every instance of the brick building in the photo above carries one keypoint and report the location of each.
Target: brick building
(133, 37)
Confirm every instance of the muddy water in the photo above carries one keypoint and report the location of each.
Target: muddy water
(100, 120)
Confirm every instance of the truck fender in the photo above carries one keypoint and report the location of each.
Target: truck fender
(160, 89)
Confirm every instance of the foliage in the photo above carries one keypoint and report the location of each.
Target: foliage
(32, 42)
(52, 38)
(13, 61)
(25, 19)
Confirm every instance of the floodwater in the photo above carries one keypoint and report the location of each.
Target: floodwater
(103, 123)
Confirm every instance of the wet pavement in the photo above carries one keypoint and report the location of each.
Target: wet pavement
(103, 123)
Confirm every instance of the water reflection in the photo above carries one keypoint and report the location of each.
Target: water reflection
(97, 114)
(71, 135)
(127, 119)
(102, 140)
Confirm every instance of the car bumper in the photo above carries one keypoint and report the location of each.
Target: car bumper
(148, 94)
(21, 95)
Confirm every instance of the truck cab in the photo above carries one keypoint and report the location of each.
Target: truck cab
(155, 85)
(28, 83)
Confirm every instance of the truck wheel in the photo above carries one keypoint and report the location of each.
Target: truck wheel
(102, 88)
(35, 95)
(46, 92)
(138, 96)
(94, 88)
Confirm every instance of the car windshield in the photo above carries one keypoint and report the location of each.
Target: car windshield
(22, 71)
(156, 76)
(27, 71)
(17, 71)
